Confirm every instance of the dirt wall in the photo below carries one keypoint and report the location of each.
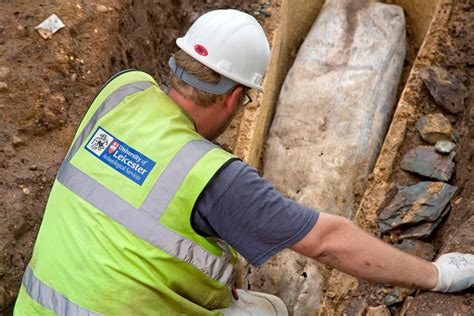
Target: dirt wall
(46, 87)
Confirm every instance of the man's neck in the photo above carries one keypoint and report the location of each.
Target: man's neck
(186, 105)
(201, 116)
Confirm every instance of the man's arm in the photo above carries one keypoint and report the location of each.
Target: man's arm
(338, 242)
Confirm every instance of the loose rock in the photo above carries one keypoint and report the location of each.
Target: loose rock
(356, 307)
(26, 191)
(435, 127)
(448, 91)
(3, 86)
(4, 71)
(424, 201)
(101, 8)
(425, 161)
(17, 141)
(397, 295)
(444, 146)
(380, 310)
(58, 99)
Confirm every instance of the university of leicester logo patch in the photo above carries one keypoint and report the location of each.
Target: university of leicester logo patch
(119, 156)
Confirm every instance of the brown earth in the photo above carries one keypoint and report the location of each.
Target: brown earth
(47, 85)
(457, 233)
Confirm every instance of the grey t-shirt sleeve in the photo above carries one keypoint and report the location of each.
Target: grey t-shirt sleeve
(245, 210)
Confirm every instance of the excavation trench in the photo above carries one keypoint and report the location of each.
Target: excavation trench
(140, 34)
(297, 280)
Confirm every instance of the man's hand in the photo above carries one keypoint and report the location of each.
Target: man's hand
(455, 272)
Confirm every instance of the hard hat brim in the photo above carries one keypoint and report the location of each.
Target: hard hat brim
(223, 86)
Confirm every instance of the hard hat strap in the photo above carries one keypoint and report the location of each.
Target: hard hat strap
(224, 85)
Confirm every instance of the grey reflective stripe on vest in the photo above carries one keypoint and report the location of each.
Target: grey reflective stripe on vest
(49, 298)
(143, 222)
(174, 174)
(109, 103)
(144, 226)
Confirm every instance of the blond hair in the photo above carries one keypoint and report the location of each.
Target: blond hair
(203, 73)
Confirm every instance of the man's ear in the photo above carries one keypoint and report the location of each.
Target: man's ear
(232, 99)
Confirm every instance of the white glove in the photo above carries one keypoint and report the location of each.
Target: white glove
(455, 272)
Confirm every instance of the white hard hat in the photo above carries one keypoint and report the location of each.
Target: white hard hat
(230, 42)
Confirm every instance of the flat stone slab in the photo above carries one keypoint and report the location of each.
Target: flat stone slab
(435, 127)
(414, 204)
(448, 91)
(426, 161)
(425, 229)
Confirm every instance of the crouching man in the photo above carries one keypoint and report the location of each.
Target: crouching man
(146, 214)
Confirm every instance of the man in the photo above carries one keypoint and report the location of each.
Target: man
(144, 207)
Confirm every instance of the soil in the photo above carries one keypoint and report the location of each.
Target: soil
(456, 233)
(46, 87)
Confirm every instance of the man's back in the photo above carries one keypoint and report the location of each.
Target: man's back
(116, 236)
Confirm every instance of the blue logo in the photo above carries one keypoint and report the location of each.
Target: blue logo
(118, 155)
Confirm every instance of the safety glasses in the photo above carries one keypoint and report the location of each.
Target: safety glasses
(247, 99)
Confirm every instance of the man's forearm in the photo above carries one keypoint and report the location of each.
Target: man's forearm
(342, 245)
